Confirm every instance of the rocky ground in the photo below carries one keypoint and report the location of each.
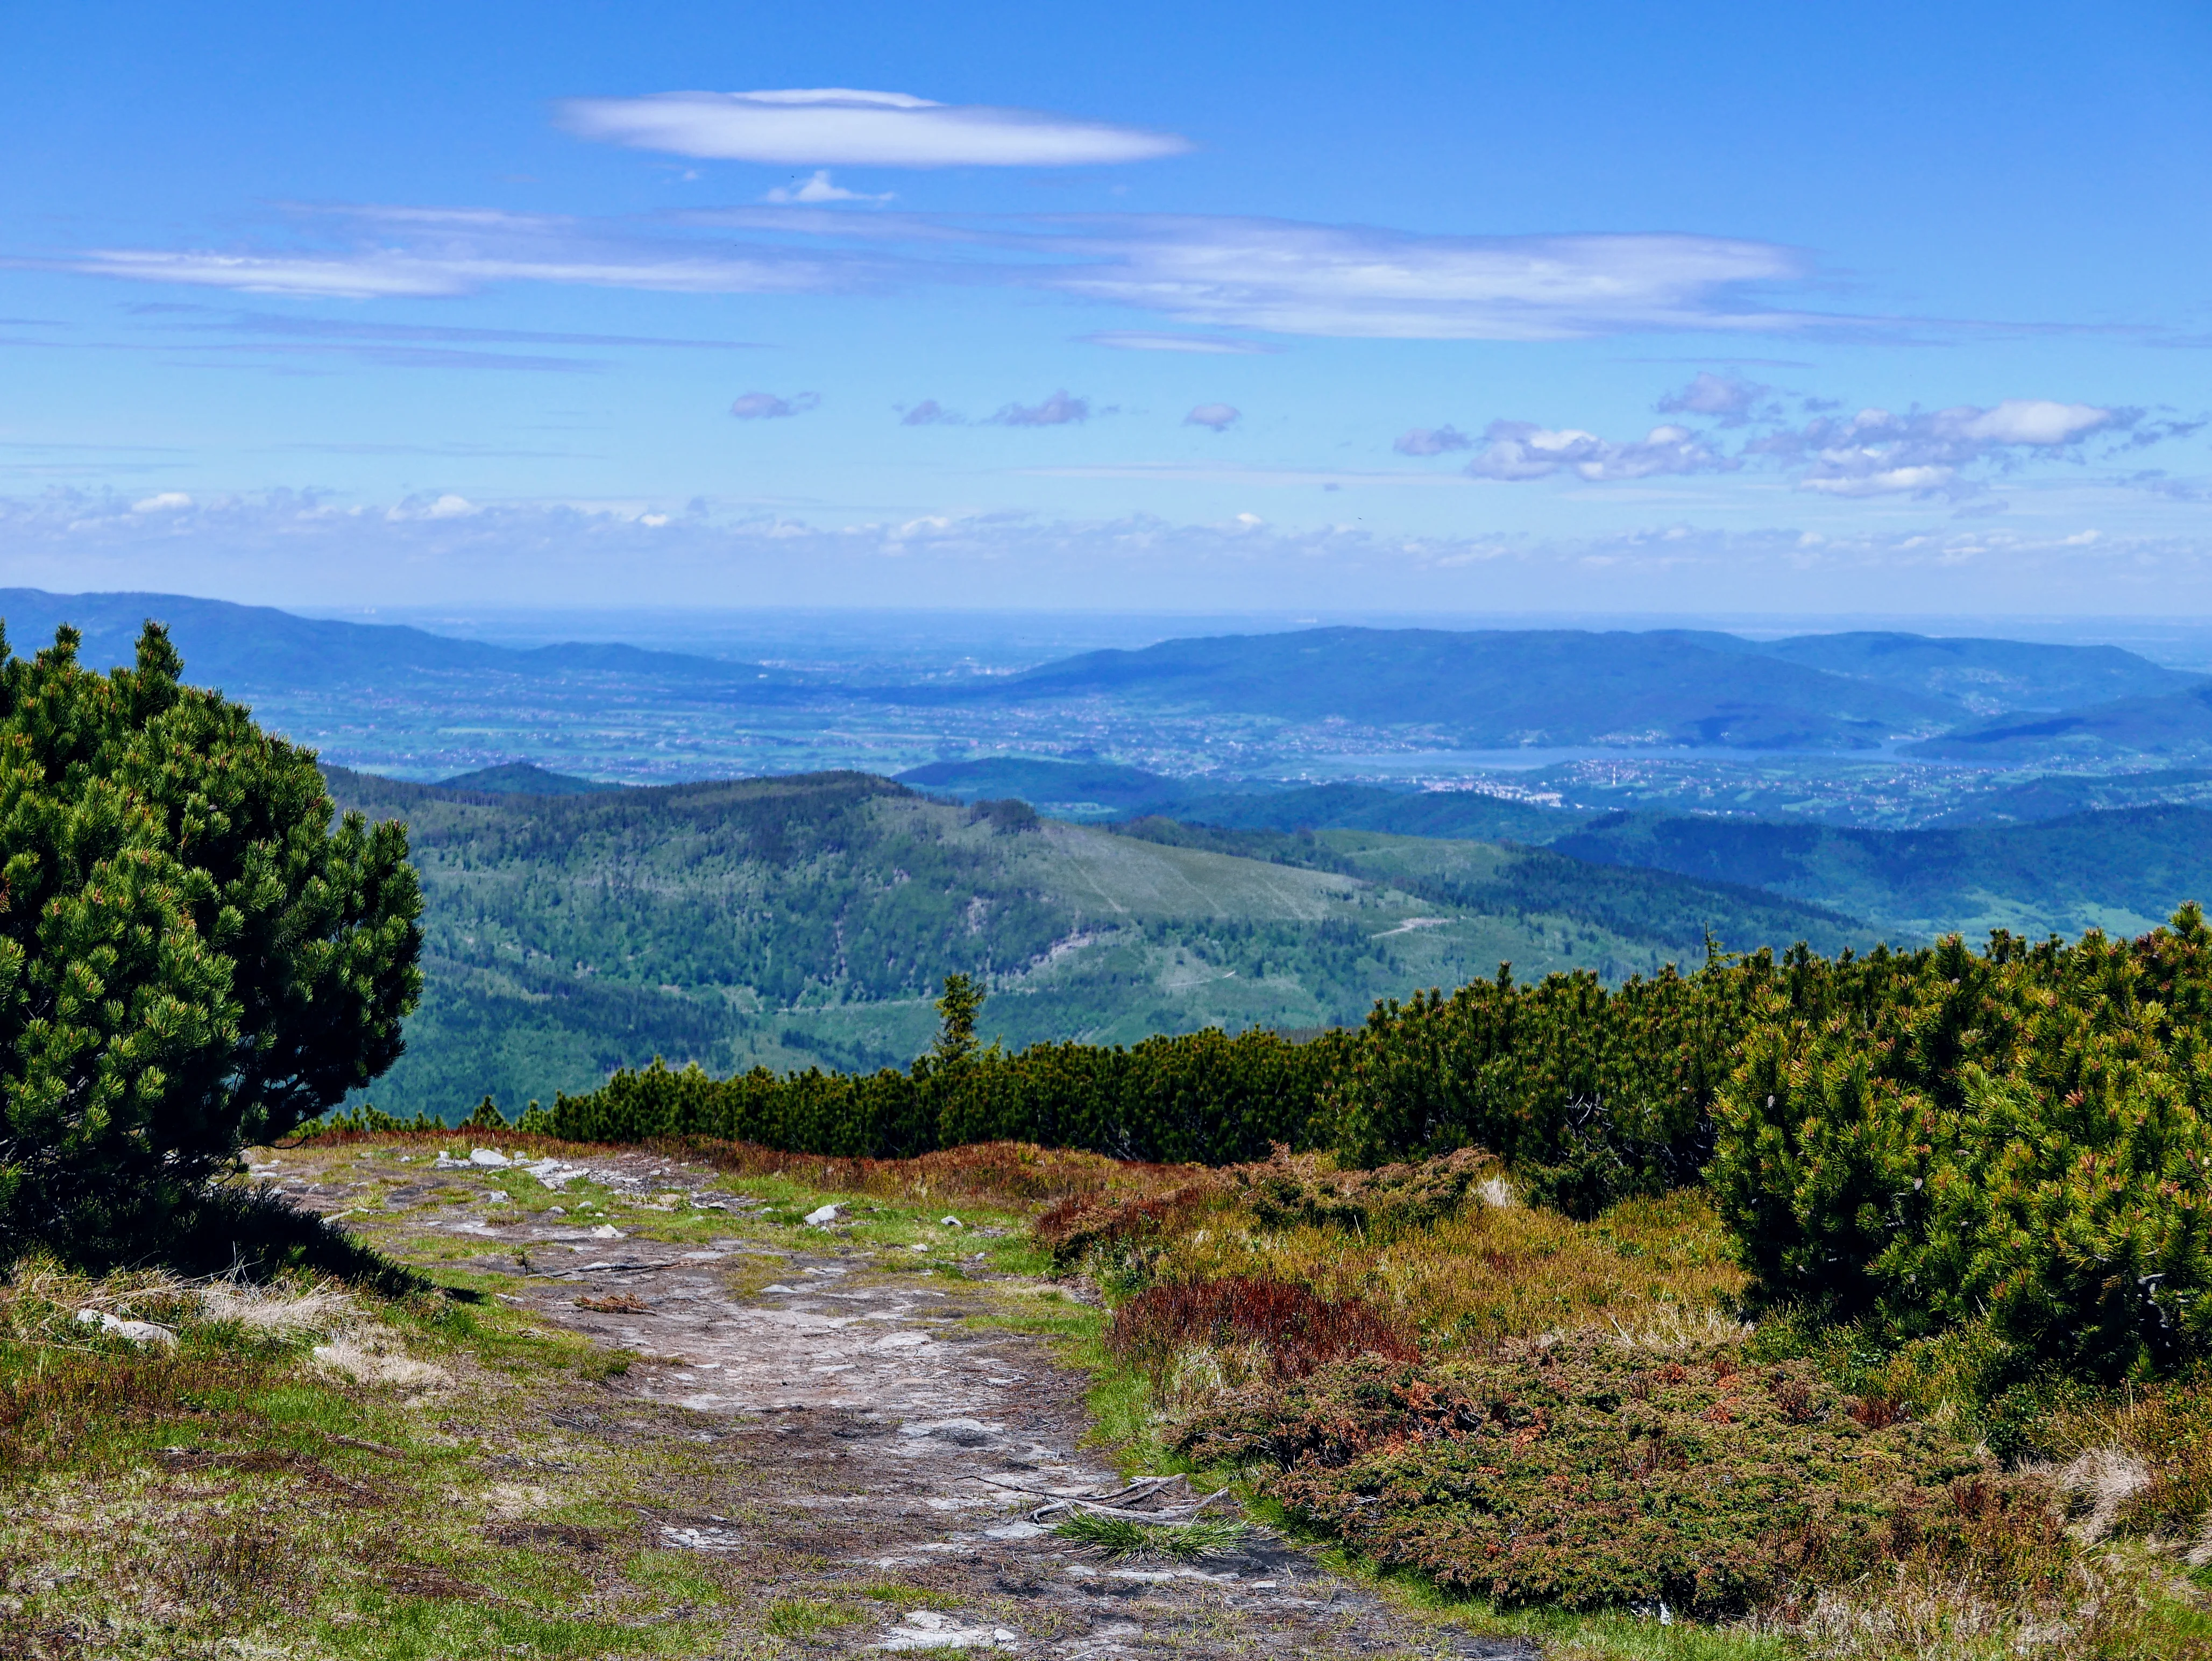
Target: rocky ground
(883, 1444)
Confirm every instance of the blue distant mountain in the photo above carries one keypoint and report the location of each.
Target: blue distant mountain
(246, 648)
(1497, 688)
(1502, 688)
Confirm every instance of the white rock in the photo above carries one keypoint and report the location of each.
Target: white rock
(606, 1231)
(823, 1216)
(701, 1538)
(961, 1433)
(949, 1222)
(1021, 1531)
(488, 1156)
(926, 1629)
(136, 1331)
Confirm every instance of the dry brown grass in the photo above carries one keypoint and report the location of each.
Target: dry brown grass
(1016, 1176)
(1651, 1272)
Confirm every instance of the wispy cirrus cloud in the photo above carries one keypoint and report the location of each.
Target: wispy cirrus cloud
(1293, 278)
(1265, 275)
(1141, 340)
(841, 126)
(402, 253)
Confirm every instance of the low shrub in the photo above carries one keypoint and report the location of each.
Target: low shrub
(2022, 1136)
(1293, 1331)
(1206, 1097)
(1010, 1174)
(1284, 1192)
(1590, 1473)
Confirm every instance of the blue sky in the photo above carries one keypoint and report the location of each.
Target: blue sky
(1622, 307)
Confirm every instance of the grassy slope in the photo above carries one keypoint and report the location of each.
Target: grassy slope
(810, 921)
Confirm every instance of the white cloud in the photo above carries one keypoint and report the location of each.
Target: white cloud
(1138, 339)
(1218, 416)
(930, 413)
(389, 275)
(1431, 440)
(1877, 452)
(1058, 410)
(1301, 279)
(1724, 397)
(426, 507)
(1921, 480)
(434, 549)
(818, 188)
(167, 502)
(1270, 275)
(1517, 451)
(767, 406)
(837, 126)
(2035, 421)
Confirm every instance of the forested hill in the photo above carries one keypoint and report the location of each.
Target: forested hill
(809, 919)
(2123, 869)
(1502, 687)
(1514, 687)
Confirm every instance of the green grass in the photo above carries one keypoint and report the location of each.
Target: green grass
(802, 1618)
(1120, 1536)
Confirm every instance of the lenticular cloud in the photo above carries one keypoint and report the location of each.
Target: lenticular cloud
(837, 126)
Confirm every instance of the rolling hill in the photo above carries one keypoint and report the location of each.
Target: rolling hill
(2122, 870)
(2175, 726)
(809, 919)
(1985, 676)
(248, 649)
(1497, 689)
(1097, 790)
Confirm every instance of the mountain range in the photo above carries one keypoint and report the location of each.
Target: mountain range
(1989, 701)
(1505, 688)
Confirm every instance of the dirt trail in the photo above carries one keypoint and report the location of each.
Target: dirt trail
(881, 1436)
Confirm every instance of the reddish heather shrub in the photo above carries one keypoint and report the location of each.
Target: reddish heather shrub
(1129, 1225)
(1299, 1330)
(1578, 1473)
(1287, 1191)
(1015, 1175)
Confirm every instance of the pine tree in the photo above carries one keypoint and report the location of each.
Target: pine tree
(191, 957)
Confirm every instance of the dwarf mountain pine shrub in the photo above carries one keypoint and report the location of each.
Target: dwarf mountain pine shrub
(191, 957)
(2022, 1136)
